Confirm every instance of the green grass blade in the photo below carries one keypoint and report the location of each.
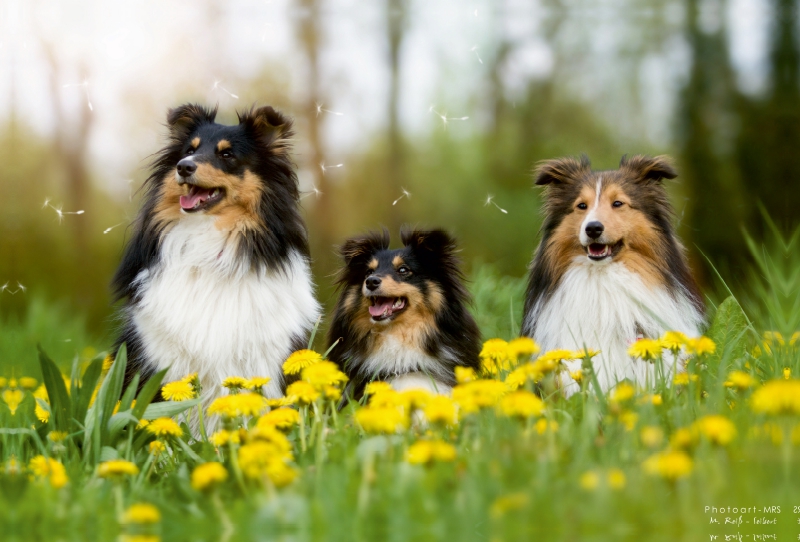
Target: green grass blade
(56, 391)
(149, 391)
(82, 396)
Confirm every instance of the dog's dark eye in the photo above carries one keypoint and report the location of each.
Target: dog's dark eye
(190, 151)
(226, 154)
(582, 206)
(403, 270)
(617, 204)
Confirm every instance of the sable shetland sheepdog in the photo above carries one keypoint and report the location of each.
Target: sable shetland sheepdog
(402, 314)
(609, 268)
(216, 274)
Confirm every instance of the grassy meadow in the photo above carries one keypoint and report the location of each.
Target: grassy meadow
(494, 462)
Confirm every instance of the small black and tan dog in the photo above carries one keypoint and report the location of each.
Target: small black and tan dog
(402, 314)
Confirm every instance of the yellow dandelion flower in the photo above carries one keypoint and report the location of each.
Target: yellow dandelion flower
(543, 425)
(178, 391)
(521, 404)
(777, 397)
(299, 360)
(376, 387)
(589, 480)
(240, 404)
(646, 349)
(523, 347)
(3, 382)
(50, 469)
(280, 473)
(164, 427)
(117, 467)
(142, 424)
(616, 479)
(622, 393)
(654, 399)
(234, 382)
(141, 514)
(261, 459)
(583, 354)
(740, 380)
(671, 465)
(42, 414)
(28, 383)
(700, 346)
(717, 429)
(479, 394)
(465, 374)
(683, 379)
(157, 448)
(280, 445)
(628, 419)
(192, 379)
(555, 355)
(428, 451)
(385, 420)
(651, 436)
(508, 503)
(108, 361)
(774, 337)
(13, 398)
(577, 376)
(674, 341)
(323, 373)
(56, 436)
(416, 398)
(794, 338)
(682, 439)
(280, 402)
(208, 475)
(302, 392)
(787, 373)
(282, 418)
(441, 409)
(257, 382)
(388, 398)
(223, 437)
(496, 356)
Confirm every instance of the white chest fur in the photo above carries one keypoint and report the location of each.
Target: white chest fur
(400, 359)
(604, 306)
(201, 309)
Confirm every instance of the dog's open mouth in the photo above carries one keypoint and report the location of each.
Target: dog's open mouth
(600, 251)
(201, 199)
(384, 308)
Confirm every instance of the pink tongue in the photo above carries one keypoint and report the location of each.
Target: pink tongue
(378, 308)
(195, 195)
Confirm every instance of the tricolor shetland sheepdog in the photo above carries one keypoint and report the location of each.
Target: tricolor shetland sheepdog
(402, 314)
(216, 276)
(609, 269)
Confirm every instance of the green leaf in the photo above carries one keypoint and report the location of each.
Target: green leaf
(118, 421)
(56, 391)
(167, 408)
(83, 395)
(149, 391)
(728, 330)
(97, 417)
(108, 453)
(130, 392)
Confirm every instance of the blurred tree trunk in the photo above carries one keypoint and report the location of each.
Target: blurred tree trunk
(309, 31)
(716, 204)
(770, 133)
(395, 27)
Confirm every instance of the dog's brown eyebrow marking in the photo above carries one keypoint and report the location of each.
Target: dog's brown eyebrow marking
(397, 261)
(195, 142)
(223, 144)
(373, 264)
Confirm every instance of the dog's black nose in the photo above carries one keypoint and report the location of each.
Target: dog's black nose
(373, 283)
(594, 229)
(186, 167)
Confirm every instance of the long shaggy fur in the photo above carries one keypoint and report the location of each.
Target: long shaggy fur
(643, 288)
(434, 333)
(225, 291)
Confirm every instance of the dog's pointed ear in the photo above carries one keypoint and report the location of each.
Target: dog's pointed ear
(271, 127)
(358, 250)
(648, 168)
(429, 242)
(185, 119)
(561, 170)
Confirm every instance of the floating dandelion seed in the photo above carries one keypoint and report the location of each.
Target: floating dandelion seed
(19, 288)
(314, 190)
(490, 201)
(325, 168)
(475, 50)
(59, 211)
(406, 194)
(111, 228)
(444, 117)
(85, 86)
(321, 110)
(218, 85)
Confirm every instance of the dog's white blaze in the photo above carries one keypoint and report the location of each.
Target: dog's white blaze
(600, 305)
(201, 309)
(419, 381)
(397, 358)
(592, 214)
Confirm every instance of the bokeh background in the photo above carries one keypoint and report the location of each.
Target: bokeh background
(406, 111)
